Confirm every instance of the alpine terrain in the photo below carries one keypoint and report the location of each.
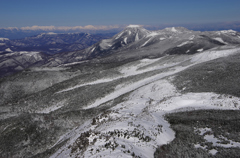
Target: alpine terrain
(167, 93)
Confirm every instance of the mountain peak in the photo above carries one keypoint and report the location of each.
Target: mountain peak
(133, 26)
(176, 29)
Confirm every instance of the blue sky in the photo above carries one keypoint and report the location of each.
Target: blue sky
(21, 13)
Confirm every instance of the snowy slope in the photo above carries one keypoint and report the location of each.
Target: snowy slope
(136, 126)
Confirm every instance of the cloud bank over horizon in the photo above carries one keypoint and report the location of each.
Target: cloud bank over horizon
(200, 27)
(65, 28)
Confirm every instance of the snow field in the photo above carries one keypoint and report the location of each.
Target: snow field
(213, 54)
(138, 122)
(143, 111)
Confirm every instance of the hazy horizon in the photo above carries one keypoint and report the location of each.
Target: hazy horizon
(59, 13)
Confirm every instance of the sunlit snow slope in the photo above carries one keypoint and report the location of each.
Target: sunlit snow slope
(136, 125)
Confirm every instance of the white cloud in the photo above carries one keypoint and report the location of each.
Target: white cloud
(52, 28)
(39, 28)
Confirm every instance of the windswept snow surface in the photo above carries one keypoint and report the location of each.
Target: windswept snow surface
(136, 124)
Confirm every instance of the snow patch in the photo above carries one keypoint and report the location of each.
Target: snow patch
(136, 37)
(209, 137)
(93, 49)
(119, 35)
(105, 44)
(125, 40)
(192, 37)
(216, 141)
(153, 34)
(184, 43)
(173, 29)
(161, 39)
(146, 42)
(213, 151)
(203, 130)
(8, 50)
(220, 40)
(229, 31)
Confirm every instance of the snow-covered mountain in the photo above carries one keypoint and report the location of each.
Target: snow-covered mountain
(139, 94)
(175, 40)
(13, 62)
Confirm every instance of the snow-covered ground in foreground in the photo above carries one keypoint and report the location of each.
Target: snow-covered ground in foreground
(136, 125)
(140, 117)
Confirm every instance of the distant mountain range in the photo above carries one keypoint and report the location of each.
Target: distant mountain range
(20, 33)
(51, 43)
